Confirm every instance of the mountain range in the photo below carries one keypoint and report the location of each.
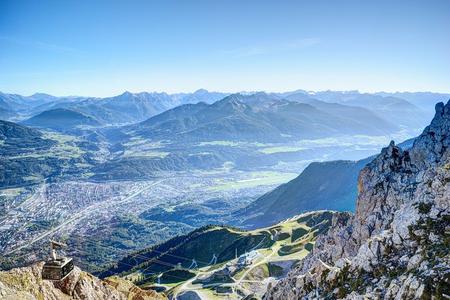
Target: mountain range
(161, 141)
(260, 117)
(125, 108)
(136, 107)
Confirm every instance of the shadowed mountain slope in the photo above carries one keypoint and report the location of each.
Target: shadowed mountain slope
(61, 119)
(325, 185)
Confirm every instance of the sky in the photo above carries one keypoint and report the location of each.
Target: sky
(102, 48)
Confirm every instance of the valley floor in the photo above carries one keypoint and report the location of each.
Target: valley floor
(103, 212)
(102, 221)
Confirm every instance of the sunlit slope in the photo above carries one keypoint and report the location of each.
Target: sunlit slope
(290, 239)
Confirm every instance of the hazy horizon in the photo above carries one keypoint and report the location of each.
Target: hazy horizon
(226, 92)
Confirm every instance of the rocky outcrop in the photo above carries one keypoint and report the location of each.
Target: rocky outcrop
(26, 283)
(396, 246)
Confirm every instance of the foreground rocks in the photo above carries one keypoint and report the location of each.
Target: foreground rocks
(396, 246)
(26, 284)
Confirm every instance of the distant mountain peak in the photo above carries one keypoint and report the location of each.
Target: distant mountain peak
(201, 91)
(35, 95)
(126, 94)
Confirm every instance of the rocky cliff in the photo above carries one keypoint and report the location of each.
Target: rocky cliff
(26, 284)
(396, 246)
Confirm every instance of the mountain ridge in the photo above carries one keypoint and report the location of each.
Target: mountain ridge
(330, 185)
(111, 110)
(26, 283)
(306, 193)
(61, 119)
(252, 117)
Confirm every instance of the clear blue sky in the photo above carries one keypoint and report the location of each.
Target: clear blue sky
(102, 48)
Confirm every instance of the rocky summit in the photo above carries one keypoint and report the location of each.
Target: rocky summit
(396, 244)
(27, 284)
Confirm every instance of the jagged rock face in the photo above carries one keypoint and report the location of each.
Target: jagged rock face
(26, 283)
(396, 246)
